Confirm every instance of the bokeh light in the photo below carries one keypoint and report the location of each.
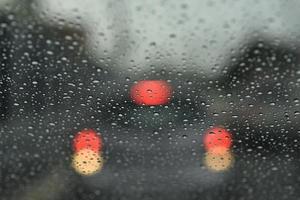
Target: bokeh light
(151, 92)
(87, 158)
(87, 139)
(219, 160)
(217, 137)
(87, 162)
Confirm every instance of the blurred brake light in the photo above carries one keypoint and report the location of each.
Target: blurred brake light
(87, 139)
(217, 142)
(217, 137)
(87, 157)
(151, 92)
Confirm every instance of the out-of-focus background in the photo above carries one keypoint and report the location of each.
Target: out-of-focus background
(149, 99)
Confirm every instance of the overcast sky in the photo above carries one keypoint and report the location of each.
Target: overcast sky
(196, 34)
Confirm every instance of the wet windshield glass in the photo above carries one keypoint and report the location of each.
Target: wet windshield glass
(149, 100)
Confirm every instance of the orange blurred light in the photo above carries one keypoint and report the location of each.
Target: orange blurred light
(87, 139)
(151, 92)
(87, 162)
(219, 160)
(217, 137)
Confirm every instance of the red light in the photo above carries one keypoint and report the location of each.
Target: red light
(217, 137)
(151, 92)
(87, 139)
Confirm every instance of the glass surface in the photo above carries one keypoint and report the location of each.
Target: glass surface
(153, 99)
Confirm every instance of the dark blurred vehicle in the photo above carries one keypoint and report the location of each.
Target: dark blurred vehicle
(53, 85)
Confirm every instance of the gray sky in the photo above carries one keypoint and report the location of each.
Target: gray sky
(196, 34)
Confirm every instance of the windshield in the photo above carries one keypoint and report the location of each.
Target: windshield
(149, 100)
